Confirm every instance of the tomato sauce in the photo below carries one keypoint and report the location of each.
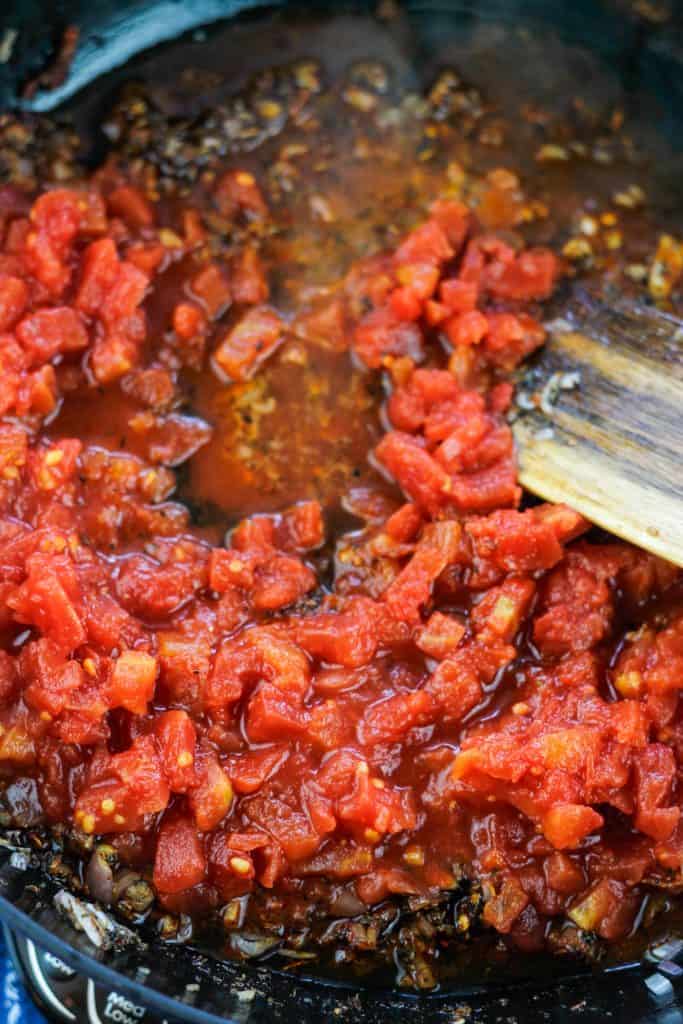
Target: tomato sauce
(395, 677)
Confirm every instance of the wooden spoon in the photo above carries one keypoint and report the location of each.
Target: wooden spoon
(599, 421)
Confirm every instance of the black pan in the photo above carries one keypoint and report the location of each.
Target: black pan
(631, 50)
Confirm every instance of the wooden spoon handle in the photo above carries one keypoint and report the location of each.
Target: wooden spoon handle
(605, 433)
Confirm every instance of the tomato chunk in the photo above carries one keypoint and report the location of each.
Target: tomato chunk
(133, 680)
(179, 862)
(248, 344)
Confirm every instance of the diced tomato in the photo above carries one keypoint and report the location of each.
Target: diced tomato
(500, 397)
(176, 739)
(227, 569)
(38, 393)
(58, 214)
(390, 719)
(458, 296)
(436, 549)
(563, 874)
(427, 243)
(139, 769)
(248, 280)
(403, 524)
(17, 233)
(147, 257)
(511, 338)
(329, 725)
(13, 299)
(123, 789)
(108, 624)
(655, 768)
(578, 611)
(303, 526)
(456, 686)
(45, 264)
(256, 534)
(480, 251)
(405, 304)
(290, 826)
(272, 715)
(185, 662)
(236, 664)
(50, 331)
(381, 334)
(50, 599)
(531, 275)
(230, 866)
(193, 228)
(51, 678)
(55, 466)
(13, 451)
(435, 312)
(179, 862)
(419, 475)
(280, 582)
(375, 887)
(125, 294)
(604, 908)
(99, 273)
(212, 794)
(152, 590)
(372, 804)
(319, 808)
(132, 206)
(516, 541)
(279, 660)
(250, 770)
(213, 290)
(419, 279)
(348, 637)
(132, 682)
(112, 357)
(454, 220)
(440, 635)
(188, 320)
(466, 328)
(8, 678)
(565, 825)
(503, 909)
(324, 325)
(500, 613)
(242, 350)
(486, 489)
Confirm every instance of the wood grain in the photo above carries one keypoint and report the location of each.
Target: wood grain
(612, 445)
